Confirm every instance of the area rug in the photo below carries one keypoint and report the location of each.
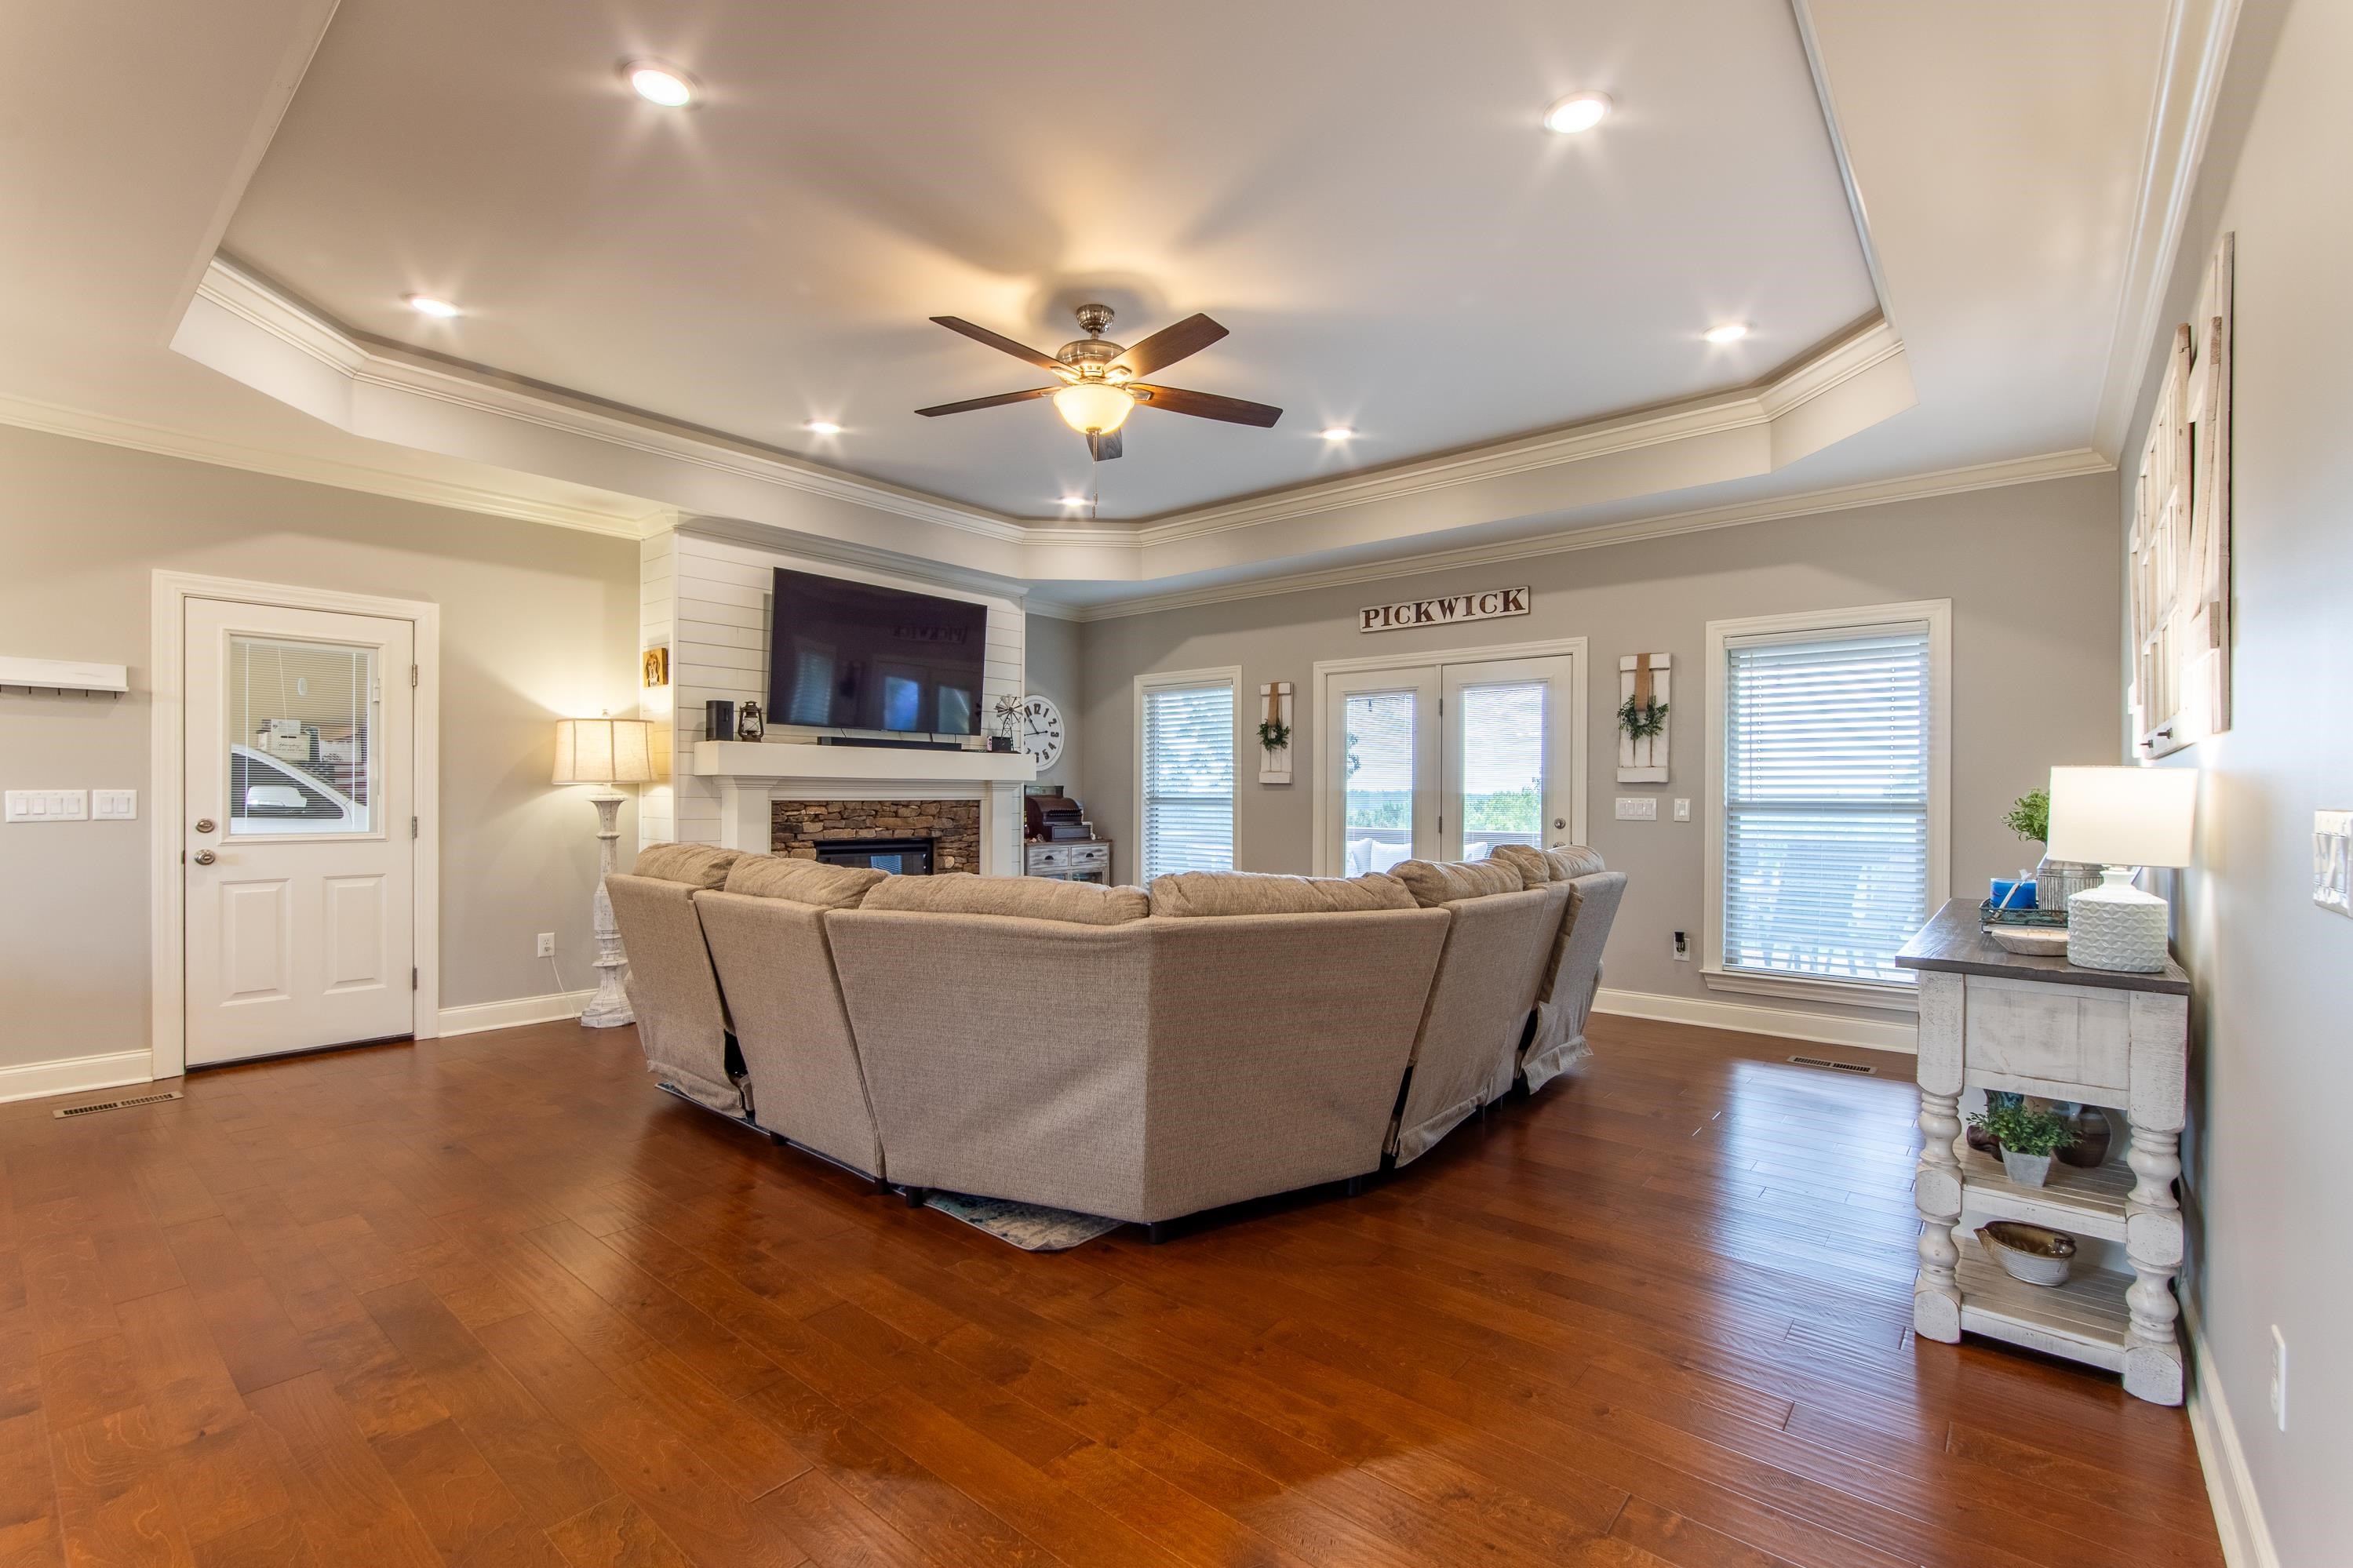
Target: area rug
(1032, 1228)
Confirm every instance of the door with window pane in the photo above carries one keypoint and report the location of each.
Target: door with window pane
(1445, 761)
(1186, 775)
(299, 880)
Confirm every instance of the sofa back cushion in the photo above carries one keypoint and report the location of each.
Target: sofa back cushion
(1028, 898)
(1539, 865)
(696, 864)
(1256, 893)
(803, 881)
(1435, 882)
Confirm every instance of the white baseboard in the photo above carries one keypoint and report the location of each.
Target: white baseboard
(516, 1011)
(75, 1074)
(2229, 1486)
(1784, 1023)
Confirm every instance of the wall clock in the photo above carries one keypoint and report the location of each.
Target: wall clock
(1041, 730)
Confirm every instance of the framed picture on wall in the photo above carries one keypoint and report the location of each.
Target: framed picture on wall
(2180, 567)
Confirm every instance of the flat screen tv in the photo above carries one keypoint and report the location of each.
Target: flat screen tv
(849, 656)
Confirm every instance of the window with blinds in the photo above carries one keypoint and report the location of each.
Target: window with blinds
(1826, 801)
(1188, 779)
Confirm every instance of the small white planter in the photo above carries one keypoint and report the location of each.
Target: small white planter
(2027, 1170)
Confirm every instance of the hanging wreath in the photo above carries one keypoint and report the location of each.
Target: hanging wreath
(1643, 720)
(1275, 734)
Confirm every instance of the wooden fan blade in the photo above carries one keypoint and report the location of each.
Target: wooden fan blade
(1106, 446)
(1002, 344)
(1170, 344)
(1001, 398)
(1207, 405)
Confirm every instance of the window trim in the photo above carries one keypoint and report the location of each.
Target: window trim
(1230, 677)
(1938, 615)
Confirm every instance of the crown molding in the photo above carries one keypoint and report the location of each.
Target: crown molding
(1844, 498)
(2190, 85)
(1845, 362)
(364, 362)
(56, 420)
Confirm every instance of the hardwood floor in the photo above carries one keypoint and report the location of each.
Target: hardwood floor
(497, 1300)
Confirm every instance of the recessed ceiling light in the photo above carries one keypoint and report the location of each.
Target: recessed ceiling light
(1074, 501)
(822, 428)
(1726, 333)
(1577, 112)
(427, 305)
(1338, 432)
(658, 84)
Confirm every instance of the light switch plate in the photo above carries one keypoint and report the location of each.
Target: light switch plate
(48, 806)
(2332, 860)
(1638, 808)
(1682, 808)
(114, 806)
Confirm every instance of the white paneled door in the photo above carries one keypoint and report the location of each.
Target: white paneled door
(298, 844)
(1444, 761)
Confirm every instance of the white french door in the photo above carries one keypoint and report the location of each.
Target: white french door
(298, 800)
(1444, 759)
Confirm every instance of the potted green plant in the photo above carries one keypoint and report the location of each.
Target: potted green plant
(2029, 1136)
(2055, 882)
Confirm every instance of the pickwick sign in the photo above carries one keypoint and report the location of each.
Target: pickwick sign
(1490, 605)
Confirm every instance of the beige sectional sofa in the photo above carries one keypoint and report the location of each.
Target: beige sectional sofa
(1228, 1036)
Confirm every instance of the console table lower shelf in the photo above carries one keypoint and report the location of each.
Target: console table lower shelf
(2084, 1320)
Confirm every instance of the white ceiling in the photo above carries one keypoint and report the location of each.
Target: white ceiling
(2021, 168)
(1365, 196)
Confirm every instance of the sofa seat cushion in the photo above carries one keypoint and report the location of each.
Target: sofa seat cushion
(696, 864)
(804, 881)
(1436, 882)
(1028, 898)
(1539, 865)
(1259, 893)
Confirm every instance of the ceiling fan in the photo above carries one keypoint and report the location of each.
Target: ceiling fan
(1098, 389)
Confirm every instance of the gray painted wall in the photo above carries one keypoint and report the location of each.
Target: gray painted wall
(2272, 1074)
(1053, 652)
(537, 623)
(2031, 570)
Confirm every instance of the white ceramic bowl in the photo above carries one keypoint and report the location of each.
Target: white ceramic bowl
(2031, 1253)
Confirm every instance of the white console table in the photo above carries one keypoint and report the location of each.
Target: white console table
(1997, 1020)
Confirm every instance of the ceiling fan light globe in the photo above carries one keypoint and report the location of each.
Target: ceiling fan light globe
(1094, 407)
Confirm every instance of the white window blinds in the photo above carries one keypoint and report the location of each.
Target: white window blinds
(1188, 779)
(1826, 828)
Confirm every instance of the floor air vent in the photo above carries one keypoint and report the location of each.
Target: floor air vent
(116, 1104)
(1834, 1066)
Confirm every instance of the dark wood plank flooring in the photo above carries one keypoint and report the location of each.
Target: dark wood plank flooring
(496, 1301)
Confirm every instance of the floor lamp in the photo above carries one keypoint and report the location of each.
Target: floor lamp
(605, 752)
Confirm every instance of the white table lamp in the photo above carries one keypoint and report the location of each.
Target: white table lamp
(2119, 818)
(606, 752)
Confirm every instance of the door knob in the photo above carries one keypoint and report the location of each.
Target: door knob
(206, 856)
(203, 825)
(1560, 822)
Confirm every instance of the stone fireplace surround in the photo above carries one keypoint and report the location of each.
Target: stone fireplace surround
(798, 827)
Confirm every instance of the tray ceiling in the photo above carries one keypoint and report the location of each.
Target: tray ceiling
(1369, 204)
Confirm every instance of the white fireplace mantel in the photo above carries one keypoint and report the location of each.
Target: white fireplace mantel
(751, 773)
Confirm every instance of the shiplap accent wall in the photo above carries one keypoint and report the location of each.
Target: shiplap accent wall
(707, 599)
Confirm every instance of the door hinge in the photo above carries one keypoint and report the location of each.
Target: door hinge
(412, 980)
(412, 828)
(412, 674)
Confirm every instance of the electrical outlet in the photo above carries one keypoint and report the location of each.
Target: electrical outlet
(1682, 808)
(546, 945)
(1638, 808)
(1683, 947)
(2279, 1377)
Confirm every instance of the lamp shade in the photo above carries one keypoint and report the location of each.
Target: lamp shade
(2122, 816)
(604, 751)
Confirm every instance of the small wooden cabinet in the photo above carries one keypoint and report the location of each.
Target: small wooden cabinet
(1997, 1020)
(1071, 860)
